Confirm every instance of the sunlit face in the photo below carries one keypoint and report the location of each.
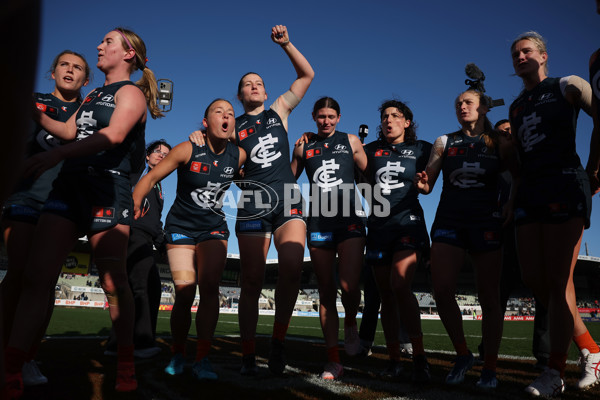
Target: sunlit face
(527, 59)
(69, 73)
(252, 90)
(157, 155)
(393, 125)
(469, 108)
(111, 50)
(326, 119)
(504, 127)
(220, 121)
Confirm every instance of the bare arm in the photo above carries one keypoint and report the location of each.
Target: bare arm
(297, 164)
(130, 108)
(425, 181)
(360, 157)
(179, 155)
(593, 164)
(305, 74)
(578, 92)
(62, 130)
(510, 161)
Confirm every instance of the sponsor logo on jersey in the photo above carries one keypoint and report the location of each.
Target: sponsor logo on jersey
(313, 152)
(295, 211)
(340, 147)
(383, 153)
(258, 122)
(444, 233)
(228, 170)
(246, 132)
(455, 151)
(216, 163)
(245, 226)
(490, 236)
(64, 108)
(103, 212)
(324, 176)
(47, 109)
(354, 228)
(326, 145)
(321, 236)
(407, 240)
(178, 236)
(375, 255)
(200, 167)
(414, 217)
(546, 96)
(217, 233)
(406, 152)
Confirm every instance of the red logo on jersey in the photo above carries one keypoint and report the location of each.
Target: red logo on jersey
(103, 212)
(354, 228)
(216, 163)
(200, 167)
(490, 235)
(382, 153)
(46, 109)
(455, 151)
(246, 132)
(406, 240)
(326, 145)
(258, 122)
(295, 211)
(313, 152)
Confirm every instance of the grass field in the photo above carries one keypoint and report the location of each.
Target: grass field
(72, 358)
(516, 340)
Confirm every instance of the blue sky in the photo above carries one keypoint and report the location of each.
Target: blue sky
(363, 52)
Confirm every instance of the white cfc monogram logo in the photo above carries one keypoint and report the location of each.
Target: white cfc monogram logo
(325, 175)
(262, 153)
(466, 177)
(205, 197)
(527, 132)
(84, 123)
(386, 177)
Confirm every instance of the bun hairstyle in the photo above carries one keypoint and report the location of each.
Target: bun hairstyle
(147, 83)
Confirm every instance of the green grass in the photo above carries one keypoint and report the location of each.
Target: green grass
(516, 337)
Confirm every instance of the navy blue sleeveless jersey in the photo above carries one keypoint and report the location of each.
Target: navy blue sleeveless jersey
(392, 168)
(28, 191)
(544, 123)
(265, 141)
(470, 189)
(553, 179)
(93, 115)
(201, 184)
(329, 165)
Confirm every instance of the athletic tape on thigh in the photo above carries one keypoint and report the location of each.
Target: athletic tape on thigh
(181, 261)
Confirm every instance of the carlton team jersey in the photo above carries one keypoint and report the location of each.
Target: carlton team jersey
(94, 115)
(265, 141)
(544, 123)
(41, 141)
(329, 163)
(470, 170)
(201, 184)
(392, 168)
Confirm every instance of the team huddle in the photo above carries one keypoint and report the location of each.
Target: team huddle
(85, 175)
